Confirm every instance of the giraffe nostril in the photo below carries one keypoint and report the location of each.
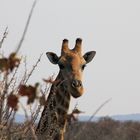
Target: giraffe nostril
(76, 83)
(80, 83)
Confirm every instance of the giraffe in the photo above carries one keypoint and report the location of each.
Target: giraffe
(68, 83)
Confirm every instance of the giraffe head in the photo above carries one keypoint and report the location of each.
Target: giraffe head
(71, 64)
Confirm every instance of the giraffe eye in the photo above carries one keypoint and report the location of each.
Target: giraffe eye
(61, 66)
(83, 66)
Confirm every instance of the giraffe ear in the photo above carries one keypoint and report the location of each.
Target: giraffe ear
(89, 56)
(52, 57)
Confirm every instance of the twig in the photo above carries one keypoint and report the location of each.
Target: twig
(25, 111)
(12, 78)
(36, 114)
(33, 133)
(2, 96)
(7, 116)
(10, 125)
(26, 80)
(25, 71)
(26, 27)
(84, 126)
(98, 109)
(4, 36)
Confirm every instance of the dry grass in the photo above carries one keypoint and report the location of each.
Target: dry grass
(104, 129)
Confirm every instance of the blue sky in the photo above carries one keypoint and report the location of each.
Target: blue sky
(110, 27)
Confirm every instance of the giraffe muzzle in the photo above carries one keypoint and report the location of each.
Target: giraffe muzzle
(76, 83)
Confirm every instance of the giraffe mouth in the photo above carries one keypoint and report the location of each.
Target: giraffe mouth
(77, 92)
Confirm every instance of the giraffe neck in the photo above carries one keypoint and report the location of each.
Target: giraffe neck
(53, 118)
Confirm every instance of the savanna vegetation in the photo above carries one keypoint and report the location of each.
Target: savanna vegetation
(104, 129)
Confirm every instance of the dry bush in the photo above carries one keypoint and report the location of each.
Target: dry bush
(11, 93)
(13, 87)
(104, 129)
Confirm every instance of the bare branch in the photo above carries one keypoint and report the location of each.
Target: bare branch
(39, 59)
(98, 109)
(4, 36)
(26, 27)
